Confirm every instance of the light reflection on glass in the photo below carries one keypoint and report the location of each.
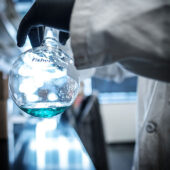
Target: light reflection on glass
(52, 97)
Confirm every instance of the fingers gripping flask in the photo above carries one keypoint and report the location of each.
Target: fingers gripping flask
(43, 81)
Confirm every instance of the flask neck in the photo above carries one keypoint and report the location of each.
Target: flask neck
(51, 42)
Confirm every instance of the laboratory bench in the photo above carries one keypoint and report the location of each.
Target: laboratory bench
(43, 144)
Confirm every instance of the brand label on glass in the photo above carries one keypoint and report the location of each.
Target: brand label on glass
(41, 60)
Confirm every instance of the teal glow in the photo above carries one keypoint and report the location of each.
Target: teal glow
(44, 112)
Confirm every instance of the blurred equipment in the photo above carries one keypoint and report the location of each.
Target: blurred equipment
(8, 26)
(89, 127)
(3, 122)
(3, 107)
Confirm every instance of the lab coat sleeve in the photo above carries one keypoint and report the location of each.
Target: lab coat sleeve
(113, 72)
(135, 33)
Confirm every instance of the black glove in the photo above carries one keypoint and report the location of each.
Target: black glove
(51, 13)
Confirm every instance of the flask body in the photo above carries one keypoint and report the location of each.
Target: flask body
(43, 82)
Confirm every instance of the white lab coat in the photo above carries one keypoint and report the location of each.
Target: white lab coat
(113, 72)
(137, 35)
(152, 151)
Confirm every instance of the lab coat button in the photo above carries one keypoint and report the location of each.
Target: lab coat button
(151, 127)
(169, 101)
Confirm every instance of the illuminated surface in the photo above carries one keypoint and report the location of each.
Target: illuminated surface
(48, 145)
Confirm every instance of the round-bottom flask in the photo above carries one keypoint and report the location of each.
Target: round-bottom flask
(43, 81)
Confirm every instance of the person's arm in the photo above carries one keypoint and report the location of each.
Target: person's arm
(132, 32)
(51, 13)
(113, 72)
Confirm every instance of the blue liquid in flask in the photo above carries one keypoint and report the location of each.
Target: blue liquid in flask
(43, 112)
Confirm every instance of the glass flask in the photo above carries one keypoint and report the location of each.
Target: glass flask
(43, 81)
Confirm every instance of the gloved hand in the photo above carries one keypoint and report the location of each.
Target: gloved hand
(51, 13)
